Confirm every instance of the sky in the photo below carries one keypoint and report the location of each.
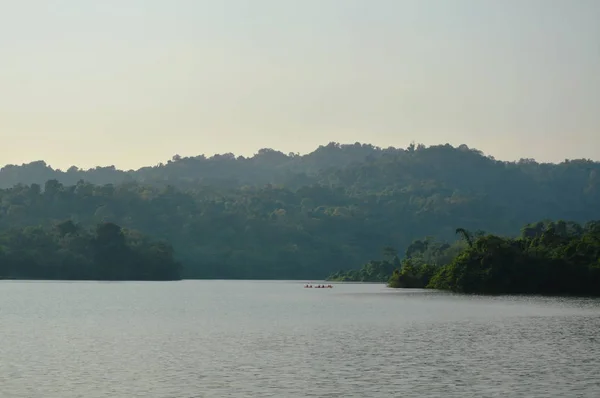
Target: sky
(133, 82)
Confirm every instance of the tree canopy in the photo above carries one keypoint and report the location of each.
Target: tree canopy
(69, 251)
(556, 258)
(290, 216)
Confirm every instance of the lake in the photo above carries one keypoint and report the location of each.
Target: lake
(277, 339)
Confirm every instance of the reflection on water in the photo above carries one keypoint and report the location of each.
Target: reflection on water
(262, 339)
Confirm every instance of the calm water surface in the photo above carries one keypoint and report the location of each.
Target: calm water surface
(277, 339)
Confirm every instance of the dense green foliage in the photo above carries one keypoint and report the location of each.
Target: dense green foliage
(291, 216)
(548, 258)
(423, 257)
(69, 252)
(551, 258)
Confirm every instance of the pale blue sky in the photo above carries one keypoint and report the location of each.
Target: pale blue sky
(132, 82)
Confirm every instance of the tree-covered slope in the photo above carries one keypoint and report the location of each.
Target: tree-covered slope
(68, 251)
(290, 216)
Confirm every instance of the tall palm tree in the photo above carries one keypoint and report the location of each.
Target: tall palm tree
(466, 235)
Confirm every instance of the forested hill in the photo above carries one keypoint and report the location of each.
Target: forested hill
(345, 165)
(268, 166)
(290, 216)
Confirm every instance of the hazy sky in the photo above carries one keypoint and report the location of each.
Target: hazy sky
(133, 82)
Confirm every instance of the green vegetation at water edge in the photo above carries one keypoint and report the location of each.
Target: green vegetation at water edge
(277, 216)
(420, 261)
(373, 271)
(555, 258)
(70, 252)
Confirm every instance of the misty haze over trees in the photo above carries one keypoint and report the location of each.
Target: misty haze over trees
(290, 216)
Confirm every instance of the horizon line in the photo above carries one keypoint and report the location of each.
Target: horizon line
(293, 154)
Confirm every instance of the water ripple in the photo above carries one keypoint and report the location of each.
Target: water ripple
(257, 339)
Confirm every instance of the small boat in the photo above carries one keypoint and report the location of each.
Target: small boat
(307, 286)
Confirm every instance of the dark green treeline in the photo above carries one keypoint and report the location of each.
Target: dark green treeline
(554, 258)
(70, 252)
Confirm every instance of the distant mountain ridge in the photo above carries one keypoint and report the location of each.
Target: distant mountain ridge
(262, 168)
(268, 166)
